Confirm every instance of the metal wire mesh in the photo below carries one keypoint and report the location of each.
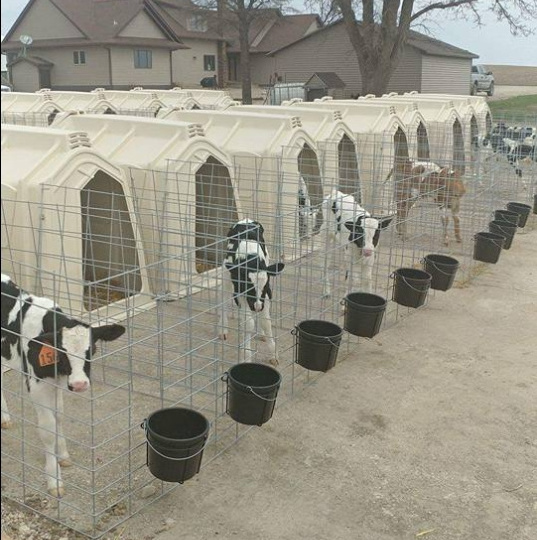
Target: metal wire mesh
(149, 253)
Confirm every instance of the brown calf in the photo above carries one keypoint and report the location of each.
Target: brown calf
(415, 180)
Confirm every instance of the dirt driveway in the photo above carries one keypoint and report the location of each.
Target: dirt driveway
(427, 431)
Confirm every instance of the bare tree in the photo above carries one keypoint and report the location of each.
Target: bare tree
(378, 30)
(238, 15)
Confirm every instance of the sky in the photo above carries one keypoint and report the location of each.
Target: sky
(493, 43)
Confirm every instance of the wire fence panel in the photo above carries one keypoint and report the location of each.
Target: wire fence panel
(151, 257)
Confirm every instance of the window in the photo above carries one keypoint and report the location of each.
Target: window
(79, 57)
(209, 62)
(143, 59)
(197, 23)
(474, 69)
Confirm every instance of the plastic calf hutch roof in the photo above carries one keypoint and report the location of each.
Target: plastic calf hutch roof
(54, 189)
(80, 101)
(171, 166)
(441, 112)
(335, 142)
(381, 135)
(207, 99)
(172, 99)
(270, 153)
(129, 101)
(23, 102)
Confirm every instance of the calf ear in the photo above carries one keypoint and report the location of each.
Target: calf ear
(350, 225)
(49, 338)
(384, 221)
(275, 269)
(107, 333)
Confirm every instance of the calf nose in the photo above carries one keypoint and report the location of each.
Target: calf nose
(79, 386)
(258, 306)
(367, 252)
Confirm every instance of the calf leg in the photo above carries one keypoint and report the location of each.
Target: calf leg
(223, 318)
(445, 223)
(457, 227)
(6, 418)
(247, 320)
(402, 215)
(367, 273)
(45, 400)
(266, 326)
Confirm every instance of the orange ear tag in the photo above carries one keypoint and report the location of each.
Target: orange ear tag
(47, 356)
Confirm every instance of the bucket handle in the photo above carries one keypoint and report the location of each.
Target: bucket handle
(392, 275)
(437, 268)
(225, 377)
(294, 332)
(492, 240)
(143, 425)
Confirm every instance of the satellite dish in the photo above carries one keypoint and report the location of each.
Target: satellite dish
(26, 40)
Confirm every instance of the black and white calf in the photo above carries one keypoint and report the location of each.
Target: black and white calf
(247, 263)
(351, 227)
(52, 351)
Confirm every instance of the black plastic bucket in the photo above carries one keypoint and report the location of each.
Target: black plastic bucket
(442, 269)
(411, 286)
(523, 210)
(535, 204)
(317, 344)
(488, 246)
(507, 230)
(364, 313)
(507, 215)
(251, 392)
(176, 438)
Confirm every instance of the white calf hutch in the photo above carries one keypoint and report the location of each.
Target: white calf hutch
(271, 155)
(124, 219)
(53, 184)
(381, 137)
(334, 140)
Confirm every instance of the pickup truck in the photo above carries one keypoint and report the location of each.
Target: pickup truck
(482, 80)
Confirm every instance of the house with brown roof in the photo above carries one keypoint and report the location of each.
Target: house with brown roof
(427, 65)
(120, 44)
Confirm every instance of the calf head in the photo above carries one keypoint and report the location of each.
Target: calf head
(365, 232)
(69, 350)
(451, 179)
(251, 279)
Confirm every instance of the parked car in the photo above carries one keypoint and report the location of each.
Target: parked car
(6, 88)
(482, 80)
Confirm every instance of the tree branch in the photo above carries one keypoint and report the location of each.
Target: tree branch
(441, 5)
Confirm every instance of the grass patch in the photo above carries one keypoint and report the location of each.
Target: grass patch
(519, 105)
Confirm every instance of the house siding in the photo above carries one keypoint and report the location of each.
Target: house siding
(125, 75)
(25, 77)
(187, 64)
(142, 27)
(67, 75)
(331, 50)
(408, 74)
(46, 21)
(446, 75)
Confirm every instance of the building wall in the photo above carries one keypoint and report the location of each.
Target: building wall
(408, 75)
(65, 74)
(142, 26)
(25, 77)
(187, 64)
(125, 75)
(331, 50)
(46, 21)
(445, 75)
